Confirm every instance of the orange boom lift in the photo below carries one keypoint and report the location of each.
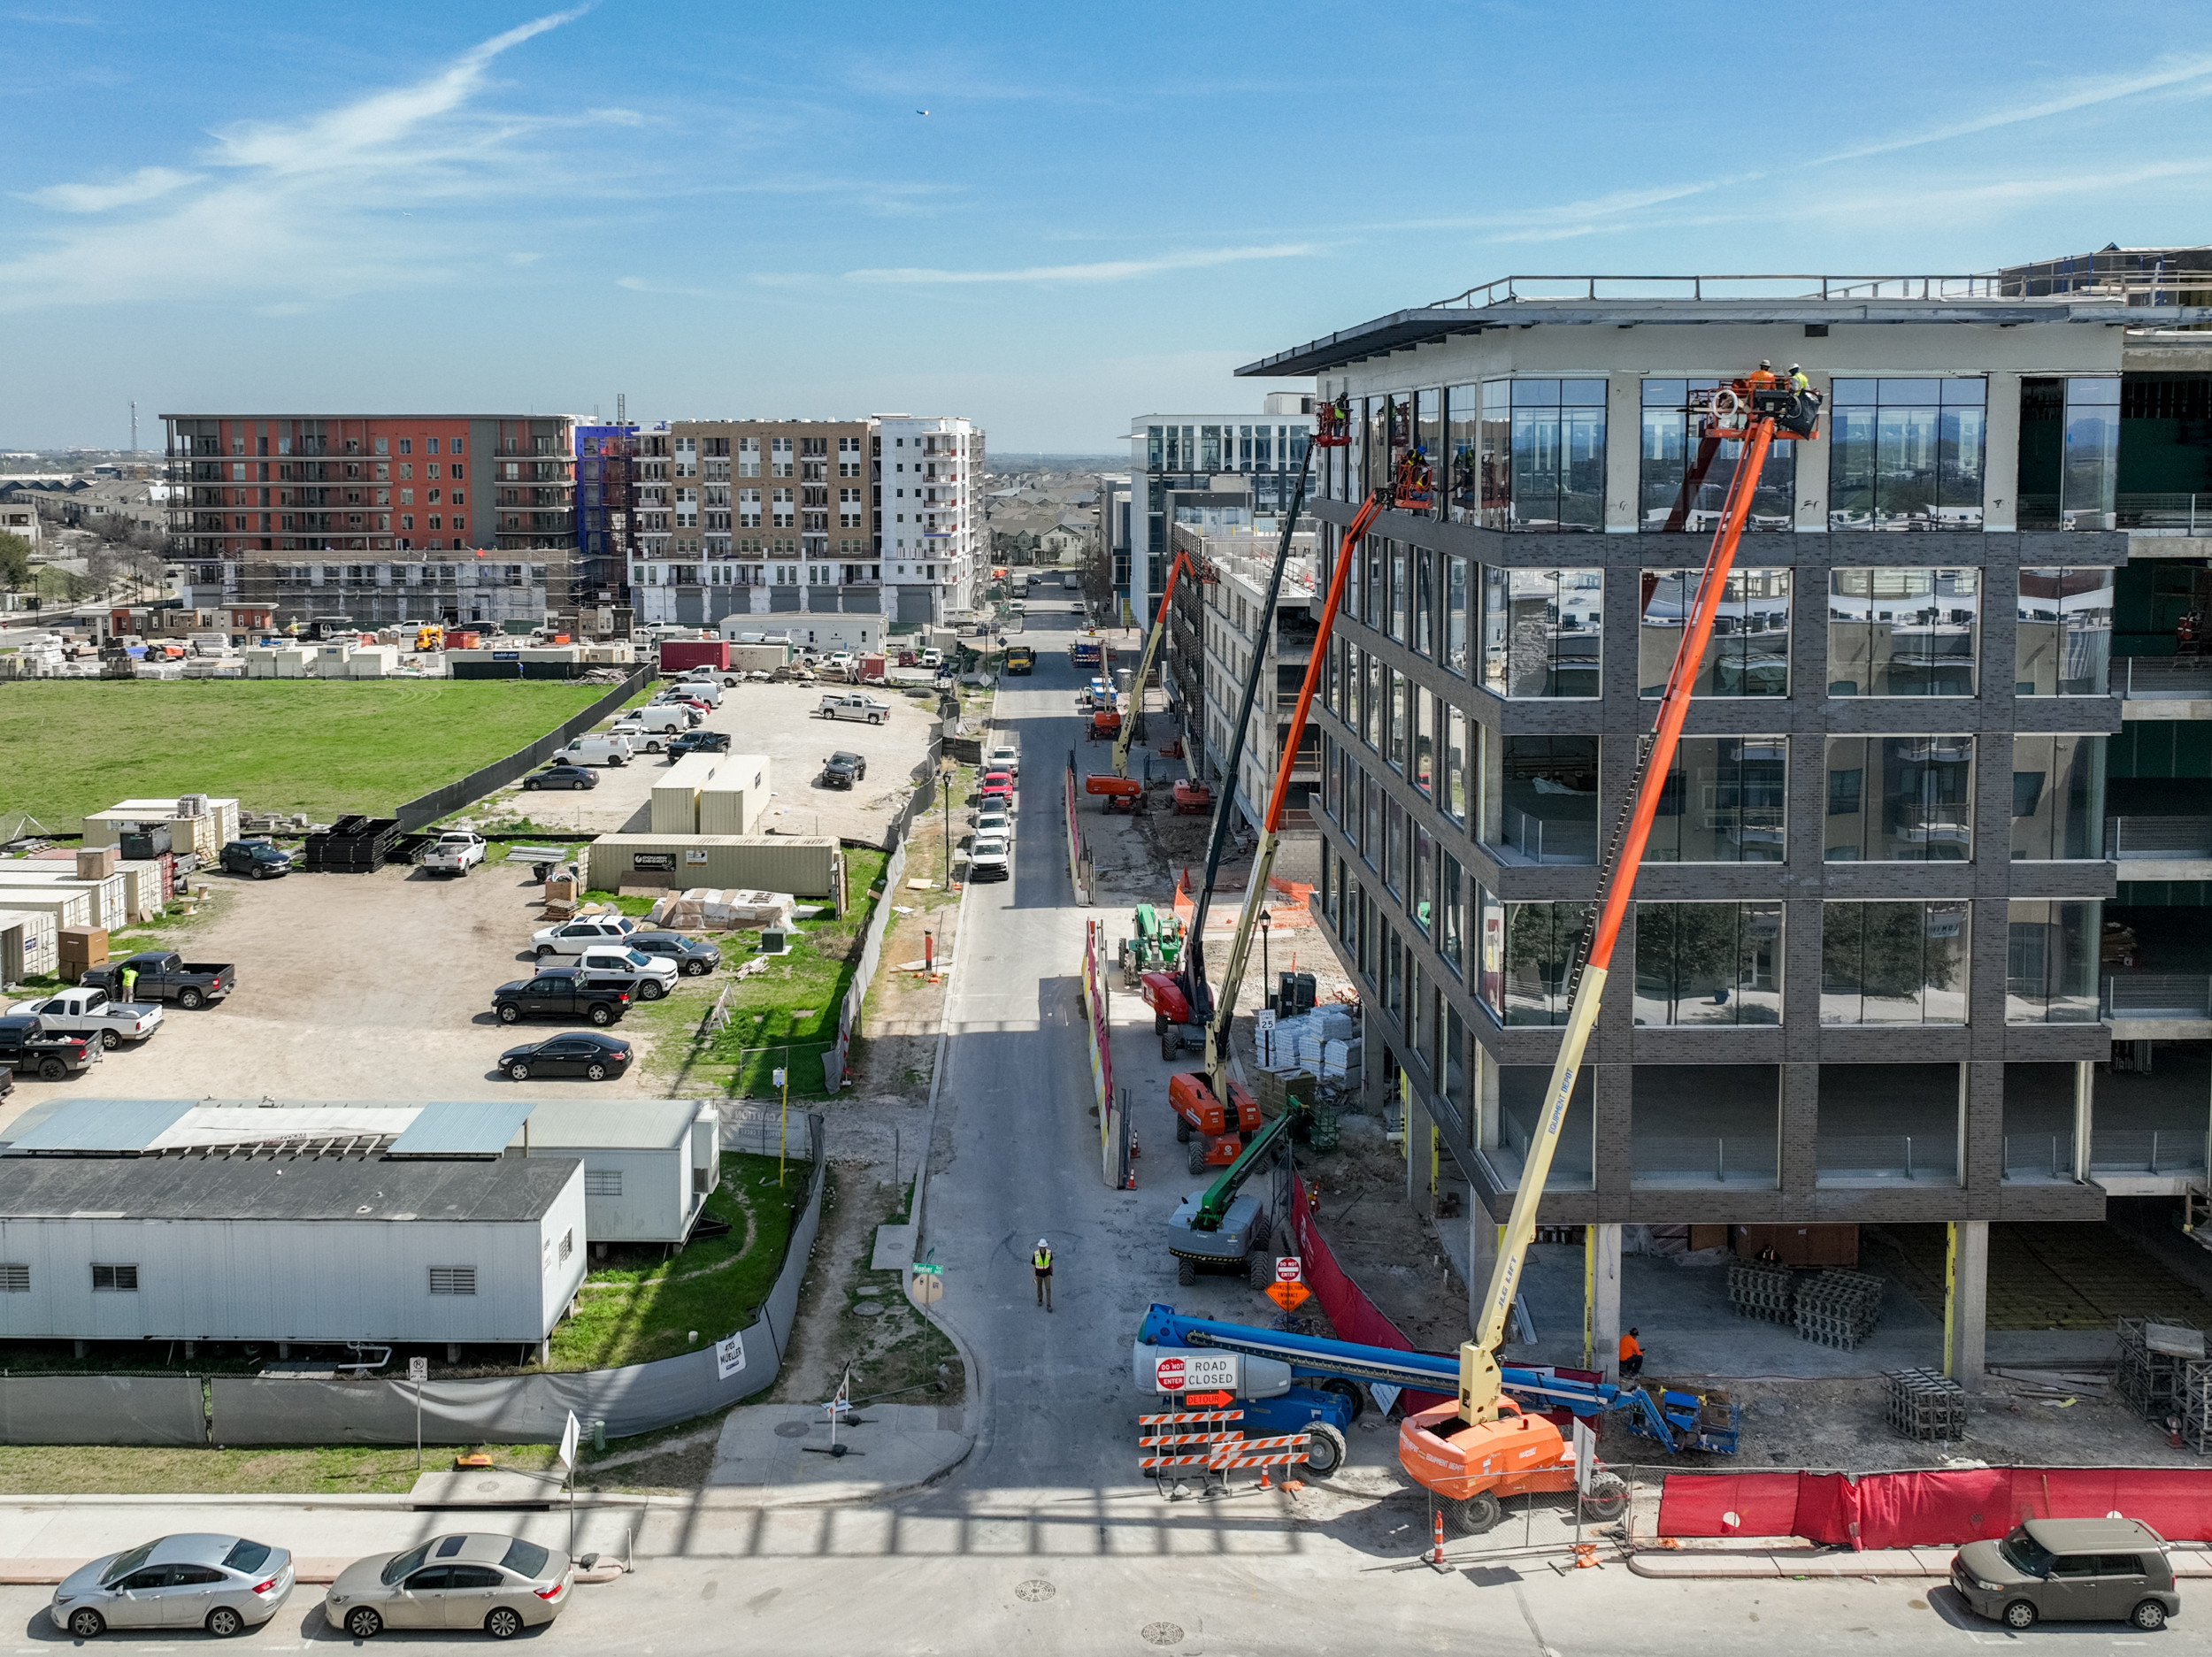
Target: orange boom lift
(1483, 1447)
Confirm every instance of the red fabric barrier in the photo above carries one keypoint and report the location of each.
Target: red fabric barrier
(1934, 1510)
(1353, 1316)
(1762, 1504)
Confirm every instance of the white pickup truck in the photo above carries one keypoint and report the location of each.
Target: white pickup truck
(455, 852)
(84, 1012)
(853, 706)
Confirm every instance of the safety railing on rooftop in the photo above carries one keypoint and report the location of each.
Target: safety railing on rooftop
(2039, 1157)
(1697, 1160)
(1908, 1156)
(1779, 285)
(2159, 1151)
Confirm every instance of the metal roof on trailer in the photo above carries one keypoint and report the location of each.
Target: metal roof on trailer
(470, 1128)
(508, 1190)
(644, 1124)
(91, 1126)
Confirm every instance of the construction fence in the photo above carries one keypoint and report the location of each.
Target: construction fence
(427, 808)
(232, 1410)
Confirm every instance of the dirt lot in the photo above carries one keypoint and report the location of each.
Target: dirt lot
(772, 719)
(349, 986)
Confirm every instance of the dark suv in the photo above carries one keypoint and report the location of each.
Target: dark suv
(694, 958)
(699, 742)
(26, 1045)
(256, 858)
(564, 992)
(842, 769)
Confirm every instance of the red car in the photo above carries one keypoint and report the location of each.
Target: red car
(998, 785)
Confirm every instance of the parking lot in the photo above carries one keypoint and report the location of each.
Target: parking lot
(776, 720)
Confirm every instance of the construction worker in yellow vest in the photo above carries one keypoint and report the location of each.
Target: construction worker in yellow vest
(1040, 1263)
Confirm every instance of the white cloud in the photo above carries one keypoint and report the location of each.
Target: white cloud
(1105, 270)
(524, 258)
(146, 185)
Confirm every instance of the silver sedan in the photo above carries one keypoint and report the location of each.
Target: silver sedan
(223, 1584)
(499, 1584)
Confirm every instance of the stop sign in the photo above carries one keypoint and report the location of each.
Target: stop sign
(1168, 1378)
(1289, 1269)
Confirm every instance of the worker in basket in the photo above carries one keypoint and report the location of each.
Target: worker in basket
(1415, 482)
(1333, 422)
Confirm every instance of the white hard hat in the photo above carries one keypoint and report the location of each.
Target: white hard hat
(1042, 1244)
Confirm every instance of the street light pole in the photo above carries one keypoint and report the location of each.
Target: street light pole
(1267, 978)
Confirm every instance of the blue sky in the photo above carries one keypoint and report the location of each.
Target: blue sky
(739, 210)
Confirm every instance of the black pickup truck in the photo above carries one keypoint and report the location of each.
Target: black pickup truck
(564, 992)
(26, 1045)
(165, 975)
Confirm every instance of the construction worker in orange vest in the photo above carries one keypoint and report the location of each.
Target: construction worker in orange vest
(1631, 1356)
(1765, 376)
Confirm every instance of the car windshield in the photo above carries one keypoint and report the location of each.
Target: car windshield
(403, 1564)
(2024, 1553)
(639, 958)
(247, 1556)
(526, 1559)
(126, 1564)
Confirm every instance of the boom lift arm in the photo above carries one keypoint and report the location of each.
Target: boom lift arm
(1181, 565)
(1762, 410)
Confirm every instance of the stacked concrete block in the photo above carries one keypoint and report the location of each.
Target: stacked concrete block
(1837, 1308)
(1925, 1404)
(1763, 1289)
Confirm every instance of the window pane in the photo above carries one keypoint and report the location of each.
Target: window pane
(1423, 894)
(1458, 763)
(1399, 720)
(1893, 964)
(1424, 740)
(1456, 600)
(1540, 941)
(1908, 456)
(2058, 798)
(1400, 582)
(1424, 601)
(1494, 454)
(1749, 651)
(1671, 451)
(1394, 870)
(2065, 636)
(1542, 631)
(1725, 802)
(1451, 903)
(2051, 963)
(1463, 471)
(1900, 799)
(1708, 964)
(1904, 631)
(1549, 808)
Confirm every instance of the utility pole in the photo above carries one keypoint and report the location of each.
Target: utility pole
(134, 426)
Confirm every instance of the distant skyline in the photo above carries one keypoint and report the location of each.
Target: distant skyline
(1045, 220)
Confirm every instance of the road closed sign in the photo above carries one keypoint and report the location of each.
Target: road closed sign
(1290, 1269)
(1198, 1372)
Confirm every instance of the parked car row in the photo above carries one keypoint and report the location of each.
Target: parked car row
(594, 968)
(64, 1033)
(228, 1584)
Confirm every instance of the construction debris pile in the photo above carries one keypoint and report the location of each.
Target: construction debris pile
(1325, 1041)
(1925, 1404)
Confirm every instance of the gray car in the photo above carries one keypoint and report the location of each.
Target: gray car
(223, 1584)
(500, 1583)
(2099, 1571)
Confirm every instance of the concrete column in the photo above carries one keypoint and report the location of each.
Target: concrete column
(1812, 465)
(1482, 1257)
(2085, 1114)
(1602, 1300)
(1623, 450)
(1966, 1303)
(1419, 1139)
(2001, 463)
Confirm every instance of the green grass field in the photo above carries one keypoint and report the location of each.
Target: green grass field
(324, 748)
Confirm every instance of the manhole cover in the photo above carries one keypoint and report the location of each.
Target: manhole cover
(792, 1428)
(1035, 1588)
(869, 1309)
(1162, 1633)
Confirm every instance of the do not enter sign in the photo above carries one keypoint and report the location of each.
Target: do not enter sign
(1289, 1269)
(1168, 1378)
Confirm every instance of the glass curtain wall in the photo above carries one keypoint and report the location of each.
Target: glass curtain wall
(1542, 631)
(1893, 964)
(1548, 805)
(2070, 453)
(2065, 637)
(1900, 799)
(1528, 950)
(1749, 651)
(1904, 631)
(1456, 599)
(2051, 962)
(1907, 454)
(1708, 964)
(2057, 798)
(1461, 472)
(1543, 454)
(1725, 802)
(1683, 481)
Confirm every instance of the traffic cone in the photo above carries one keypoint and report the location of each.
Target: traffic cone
(1436, 1555)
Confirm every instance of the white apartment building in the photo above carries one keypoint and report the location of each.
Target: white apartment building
(879, 516)
(1262, 454)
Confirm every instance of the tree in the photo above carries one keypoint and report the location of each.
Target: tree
(15, 562)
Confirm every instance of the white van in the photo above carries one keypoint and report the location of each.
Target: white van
(665, 717)
(595, 750)
(704, 690)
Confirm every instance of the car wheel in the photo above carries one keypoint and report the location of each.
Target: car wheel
(190, 999)
(509, 1013)
(694, 969)
(2149, 1617)
(363, 1623)
(545, 950)
(111, 1039)
(529, 787)
(577, 788)
(594, 1072)
(650, 990)
(518, 1071)
(85, 1624)
(504, 1622)
(601, 1014)
(2020, 1614)
(223, 1623)
(1324, 1449)
(51, 1070)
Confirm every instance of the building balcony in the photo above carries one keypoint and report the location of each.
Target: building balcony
(2160, 847)
(2182, 679)
(2157, 1006)
(2151, 514)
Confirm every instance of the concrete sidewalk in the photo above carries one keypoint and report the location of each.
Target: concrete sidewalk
(1789, 1559)
(775, 1455)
